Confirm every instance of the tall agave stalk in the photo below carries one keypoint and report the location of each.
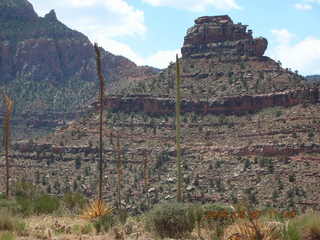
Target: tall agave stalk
(145, 170)
(119, 168)
(178, 131)
(101, 96)
(6, 137)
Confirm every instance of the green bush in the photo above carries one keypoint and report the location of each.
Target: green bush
(10, 205)
(25, 205)
(74, 201)
(173, 220)
(10, 223)
(7, 236)
(214, 218)
(86, 229)
(306, 226)
(25, 193)
(104, 223)
(46, 204)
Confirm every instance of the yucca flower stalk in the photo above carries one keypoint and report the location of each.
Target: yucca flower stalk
(178, 131)
(6, 136)
(119, 168)
(101, 97)
(145, 170)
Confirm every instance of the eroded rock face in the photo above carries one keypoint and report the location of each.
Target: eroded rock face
(17, 10)
(44, 49)
(225, 105)
(218, 35)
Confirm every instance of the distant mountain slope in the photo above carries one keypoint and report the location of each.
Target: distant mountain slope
(313, 78)
(43, 54)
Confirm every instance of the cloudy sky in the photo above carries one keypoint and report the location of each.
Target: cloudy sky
(150, 32)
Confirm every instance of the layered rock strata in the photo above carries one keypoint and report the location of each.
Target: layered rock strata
(225, 105)
(218, 35)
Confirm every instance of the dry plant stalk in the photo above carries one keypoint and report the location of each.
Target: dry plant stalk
(6, 136)
(145, 170)
(119, 169)
(178, 131)
(101, 97)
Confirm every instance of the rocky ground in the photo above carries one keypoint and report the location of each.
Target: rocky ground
(275, 152)
(250, 130)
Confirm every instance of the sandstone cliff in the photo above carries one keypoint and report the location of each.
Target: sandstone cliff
(218, 35)
(223, 71)
(44, 49)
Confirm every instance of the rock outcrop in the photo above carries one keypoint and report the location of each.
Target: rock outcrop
(218, 35)
(17, 10)
(226, 105)
(44, 49)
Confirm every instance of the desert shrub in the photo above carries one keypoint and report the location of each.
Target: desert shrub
(291, 233)
(306, 226)
(104, 223)
(25, 205)
(197, 215)
(9, 205)
(254, 229)
(46, 204)
(86, 229)
(217, 217)
(7, 236)
(25, 193)
(25, 189)
(74, 201)
(173, 220)
(10, 223)
(120, 215)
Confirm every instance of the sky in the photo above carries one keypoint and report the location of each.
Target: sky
(151, 32)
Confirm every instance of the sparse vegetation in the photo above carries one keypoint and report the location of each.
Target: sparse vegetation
(231, 145)
(173, 220)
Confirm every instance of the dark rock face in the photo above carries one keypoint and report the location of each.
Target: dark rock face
(17, 10)
(44, 49)
(218, 35)
(226, 105)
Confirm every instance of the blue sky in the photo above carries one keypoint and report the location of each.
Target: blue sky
(150, 32)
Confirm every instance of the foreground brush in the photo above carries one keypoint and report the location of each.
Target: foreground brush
(96, 209)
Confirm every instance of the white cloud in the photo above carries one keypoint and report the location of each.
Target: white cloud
(283, 36)
(195, 5)
(161, 59)
(116, 18)
(303, 6)
(313, 1)
(113, 17)
(303, 56)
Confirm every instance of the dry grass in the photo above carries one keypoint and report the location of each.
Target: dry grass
(254, 230)
(75, 228)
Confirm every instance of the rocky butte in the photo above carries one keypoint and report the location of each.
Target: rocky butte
(218, 35)
(224, 72)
